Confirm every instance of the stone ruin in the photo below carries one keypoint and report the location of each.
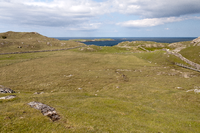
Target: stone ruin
(45, 110)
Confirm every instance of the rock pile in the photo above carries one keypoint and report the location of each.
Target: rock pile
(5, 90)
(45, 110)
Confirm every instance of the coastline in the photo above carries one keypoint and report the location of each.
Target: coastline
(91, 40)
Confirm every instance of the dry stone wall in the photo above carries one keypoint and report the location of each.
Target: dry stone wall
(195, 65)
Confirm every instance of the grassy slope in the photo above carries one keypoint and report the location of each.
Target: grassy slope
(145, 99)
(192, 53)
(31, 41)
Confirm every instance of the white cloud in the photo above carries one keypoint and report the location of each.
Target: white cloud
(157, 8)
(149, 22)
(85, 26)
(83, 14)
(70, 13)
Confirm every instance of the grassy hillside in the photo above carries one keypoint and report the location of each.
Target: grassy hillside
(192, 53)
(31, 41)
(99, 89)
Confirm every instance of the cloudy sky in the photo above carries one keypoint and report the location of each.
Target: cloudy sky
(102, 18)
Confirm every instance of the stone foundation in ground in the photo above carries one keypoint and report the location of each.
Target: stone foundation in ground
(45, 110)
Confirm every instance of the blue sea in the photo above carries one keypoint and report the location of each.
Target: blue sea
(122, 39)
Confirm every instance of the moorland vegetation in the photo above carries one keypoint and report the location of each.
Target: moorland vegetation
(130, 87)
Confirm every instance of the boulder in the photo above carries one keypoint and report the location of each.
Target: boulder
(5, 90)
(197, 90)
(45, 110)
(38, 93)
(8, 97)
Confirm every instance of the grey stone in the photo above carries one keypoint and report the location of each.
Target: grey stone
(5, 90)
(45, 110)
(8, 97)
(197, 90)
(38, 93)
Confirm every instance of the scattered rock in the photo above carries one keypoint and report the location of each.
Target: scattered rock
(186, 75)
(38, 93)
(197, 90)
(8, 97)
(5, 90)
(45, 110)
(68, 76)
(179, 88)
(190, 90)
(127, 70)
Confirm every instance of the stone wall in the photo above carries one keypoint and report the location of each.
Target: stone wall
(41, 50)
(195, 65)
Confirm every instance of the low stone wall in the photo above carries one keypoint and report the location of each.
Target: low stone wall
(41, 51)
(143, 49)
(195, 65)
(184, 66)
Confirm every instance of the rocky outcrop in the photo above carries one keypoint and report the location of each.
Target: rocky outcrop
(45, 110)
(4, 89)
(196, 41)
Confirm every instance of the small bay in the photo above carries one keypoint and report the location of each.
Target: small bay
(122, 39)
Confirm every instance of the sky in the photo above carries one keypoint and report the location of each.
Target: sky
(102, 18)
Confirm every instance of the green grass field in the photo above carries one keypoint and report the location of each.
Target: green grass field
(99, 90)
(120, 93)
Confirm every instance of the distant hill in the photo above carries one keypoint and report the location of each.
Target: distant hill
(22, 35)
(29, 41)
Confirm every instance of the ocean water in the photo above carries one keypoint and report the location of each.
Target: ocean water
(122, 39)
